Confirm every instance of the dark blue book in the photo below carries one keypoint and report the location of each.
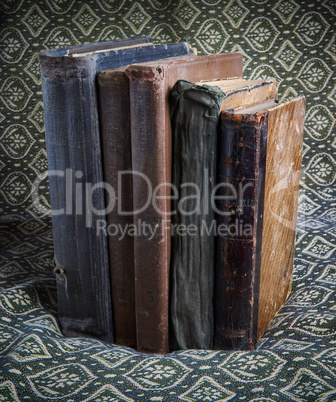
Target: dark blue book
(75, 176)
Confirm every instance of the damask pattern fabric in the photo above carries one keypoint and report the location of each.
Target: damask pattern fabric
(290, 40)
(295, 360)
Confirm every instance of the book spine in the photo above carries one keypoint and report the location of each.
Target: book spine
(195, 112)
(114, 116)
(74, 160)
(151, 155)
(241, 187)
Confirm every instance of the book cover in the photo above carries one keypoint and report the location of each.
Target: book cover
(259, 170)
(195, 109)
(114, 112)
(75, 176)
(194, 113)
(150, 86)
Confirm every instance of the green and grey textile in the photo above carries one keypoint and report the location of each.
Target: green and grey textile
(295, 360)
(290, 40)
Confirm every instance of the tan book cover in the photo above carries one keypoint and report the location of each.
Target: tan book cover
(260, 150)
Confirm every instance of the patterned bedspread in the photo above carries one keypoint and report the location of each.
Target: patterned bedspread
(292, 41)
(294, 360)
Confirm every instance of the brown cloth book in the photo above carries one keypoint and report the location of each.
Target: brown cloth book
(114, 121)
(259, 167)
(114, 112)
(150, 86)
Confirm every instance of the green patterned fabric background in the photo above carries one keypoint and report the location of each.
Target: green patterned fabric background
(292, 41)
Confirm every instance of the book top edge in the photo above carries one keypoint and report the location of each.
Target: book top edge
(85, 59)
(92, 47)
(263, 107)
(228, 85)
(300, 98)
(168, 63)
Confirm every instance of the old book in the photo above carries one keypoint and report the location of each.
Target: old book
(150, 86)
(75, 176)
(114, 112)
(195, 109)
(259, 171)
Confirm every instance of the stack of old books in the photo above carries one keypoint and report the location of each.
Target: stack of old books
(174, 188)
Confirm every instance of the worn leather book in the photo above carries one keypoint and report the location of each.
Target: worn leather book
(75, 176)
(195, 109)
(259, 170)
(150, 86)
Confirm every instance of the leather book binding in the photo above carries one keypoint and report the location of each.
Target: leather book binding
(259, 169)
